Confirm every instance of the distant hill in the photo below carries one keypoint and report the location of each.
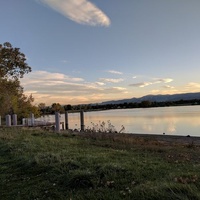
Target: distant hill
(157, 98)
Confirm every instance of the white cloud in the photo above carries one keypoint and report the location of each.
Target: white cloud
(141, 84)
(155, 81)
(100, 83)
(193, 85)
(163, 80)
(114, 72)
(111, 80)
(56, 87)
(64, 61)
(80, 11)
(168, 87)
(48, 78)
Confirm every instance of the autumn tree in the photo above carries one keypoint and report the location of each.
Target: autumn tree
(13, 66)
(56, 107)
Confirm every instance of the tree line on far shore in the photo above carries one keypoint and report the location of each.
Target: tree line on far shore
(56, 107)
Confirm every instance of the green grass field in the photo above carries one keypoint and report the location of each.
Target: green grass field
(36, 165)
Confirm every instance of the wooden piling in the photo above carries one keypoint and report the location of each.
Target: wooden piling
(66, 121)
(14, 119)
(57, 121)
(32, 119)
(8, 120)
(82, 121)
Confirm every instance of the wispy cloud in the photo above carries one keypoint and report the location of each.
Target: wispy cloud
(56, 87)
(155, 81)
(168, 87)
(80, 11)
(141, 84)
(100, 83)
(111, 80)
(163, 80)
(114, 72)
(64, 61)
(45, 77)
(193, 85)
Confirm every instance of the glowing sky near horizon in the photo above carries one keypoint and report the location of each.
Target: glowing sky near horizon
(89, 51)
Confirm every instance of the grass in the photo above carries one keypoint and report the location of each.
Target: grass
(35, 165)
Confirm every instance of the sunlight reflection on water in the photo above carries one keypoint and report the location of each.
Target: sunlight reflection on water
(182, 120)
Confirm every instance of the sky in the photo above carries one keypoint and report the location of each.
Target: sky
(91, 51)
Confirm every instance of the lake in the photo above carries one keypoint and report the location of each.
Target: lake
(180, 120)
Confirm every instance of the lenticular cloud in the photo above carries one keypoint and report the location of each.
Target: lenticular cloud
(80, 11)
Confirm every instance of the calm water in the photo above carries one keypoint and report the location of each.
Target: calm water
(182, 120)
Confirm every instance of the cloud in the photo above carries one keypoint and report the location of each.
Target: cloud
(168, 87)
(45, 77)
(56, 87)
(80, 11)
(141, 84)
(114, 72)
(193, 85)
(155, 81)
(111, 80)
(100, 83)
(163, 80)
(64, 61)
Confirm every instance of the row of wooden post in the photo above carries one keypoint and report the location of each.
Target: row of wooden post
(13, 121)
(57, 120)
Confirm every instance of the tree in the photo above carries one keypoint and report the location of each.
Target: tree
(145, 104)
(68, 107)
(12, 62)
(13, 66)
(56, 107)
(10, 91)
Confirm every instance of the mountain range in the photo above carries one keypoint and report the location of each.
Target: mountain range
(157, 98)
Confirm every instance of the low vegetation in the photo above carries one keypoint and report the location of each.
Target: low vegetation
(36, 164)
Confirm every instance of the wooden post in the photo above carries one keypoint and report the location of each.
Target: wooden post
(57, 121)
(66, 121)
(82, 120)
(32, 119)
(0, 120)
(14, 118)
(24, 122)
(8, 120)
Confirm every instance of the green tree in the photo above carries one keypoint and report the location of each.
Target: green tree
(12, 62)
(68, 107)
(145, 104)
(13, 66)
(56, 107)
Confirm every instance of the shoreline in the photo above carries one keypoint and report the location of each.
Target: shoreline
(162, 139)
(168, 138)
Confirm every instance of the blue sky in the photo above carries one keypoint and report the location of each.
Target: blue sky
(89, 51)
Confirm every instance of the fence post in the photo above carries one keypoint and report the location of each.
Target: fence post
(14, 118)
(82, 120)
(66, 120)
(57, 120)
(8, 120)
(0, 120)
(24, 122)
(32, 119)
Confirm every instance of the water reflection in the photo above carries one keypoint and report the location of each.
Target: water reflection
(184, 120)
